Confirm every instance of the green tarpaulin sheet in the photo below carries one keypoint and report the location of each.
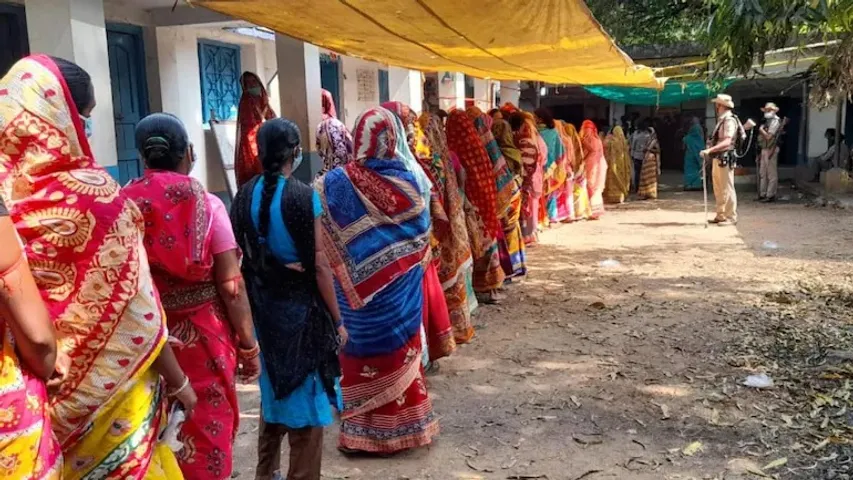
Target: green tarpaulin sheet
(673, 93)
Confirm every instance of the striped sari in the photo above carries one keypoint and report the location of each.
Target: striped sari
(595, 166)
(376, 233)
(508, 196)
(84, 244)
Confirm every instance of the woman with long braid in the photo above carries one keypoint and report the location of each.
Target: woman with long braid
(291, 290)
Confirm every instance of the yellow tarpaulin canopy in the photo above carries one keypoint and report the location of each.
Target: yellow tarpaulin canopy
(553, 41)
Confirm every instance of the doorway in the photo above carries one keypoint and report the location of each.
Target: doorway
(130, 94)
(13, 36)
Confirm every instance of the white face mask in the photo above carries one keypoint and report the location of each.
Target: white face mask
(768, 115)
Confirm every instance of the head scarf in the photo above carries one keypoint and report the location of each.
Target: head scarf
(83, 241)
(578, 154)
(589, 138)
(414, 150)
(462, 138)
(503, 135)
(329, 110)
(378, 224)
(334, 144)
(251, 113)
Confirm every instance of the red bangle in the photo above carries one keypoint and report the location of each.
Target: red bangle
(249, 353)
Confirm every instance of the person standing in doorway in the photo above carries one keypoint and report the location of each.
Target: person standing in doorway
(639, 140)
(721, 153)
(768, 140)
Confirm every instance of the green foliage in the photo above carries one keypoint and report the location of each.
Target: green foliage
(651, 22)
(740, 32)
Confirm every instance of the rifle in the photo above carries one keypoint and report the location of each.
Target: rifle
(776, 136)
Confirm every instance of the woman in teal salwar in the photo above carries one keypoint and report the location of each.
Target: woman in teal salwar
(694, 142)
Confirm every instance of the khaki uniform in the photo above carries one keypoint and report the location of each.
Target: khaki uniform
(723, 176)
(768, 172)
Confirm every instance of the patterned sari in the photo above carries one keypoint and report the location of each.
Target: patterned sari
(580, 196)
(454, 250)
(618, 167)
(648, 189)
(83, 241)
(511, 214)
(534, 153)
(595, 166)
(376, 234)
(334, 142)
(178, 233)
(440, 338)
(481, 189)
(251, 113)
(561, 207)
(28, 448)
(554, 172)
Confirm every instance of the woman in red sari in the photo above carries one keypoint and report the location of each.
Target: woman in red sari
(480, 186)
(254, 110)
(195, 265)
(596, 167)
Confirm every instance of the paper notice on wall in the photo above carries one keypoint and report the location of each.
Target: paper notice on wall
(367, 84)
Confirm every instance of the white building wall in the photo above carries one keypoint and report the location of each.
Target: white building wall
(351, 105)
(819, 121)
(179, 86)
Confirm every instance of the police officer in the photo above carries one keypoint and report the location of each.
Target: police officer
(721, 154)
(768, 140)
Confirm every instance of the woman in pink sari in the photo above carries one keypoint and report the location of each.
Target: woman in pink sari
(596, 167)
(534, 153)
(195, 264)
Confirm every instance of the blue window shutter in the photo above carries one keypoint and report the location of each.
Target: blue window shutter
(384, 93)
(330, 78)
(219, 67)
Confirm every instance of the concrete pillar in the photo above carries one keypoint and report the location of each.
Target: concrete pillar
(451, 90)
(300, 90)
(710, 118)
(75, 30)
(617, 110)
(510, 92)
(482, 94)
(405, 86)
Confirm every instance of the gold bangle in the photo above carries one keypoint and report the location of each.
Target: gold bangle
(180, 389)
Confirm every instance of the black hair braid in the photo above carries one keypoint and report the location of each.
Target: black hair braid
(278, 140)
(272, 170)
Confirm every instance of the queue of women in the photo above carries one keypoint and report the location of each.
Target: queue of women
(121, 306)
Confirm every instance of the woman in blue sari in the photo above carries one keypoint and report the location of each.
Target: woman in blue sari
(377, 230)
(694, 142)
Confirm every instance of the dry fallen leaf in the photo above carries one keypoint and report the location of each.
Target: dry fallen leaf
(692, 449)
(779, 462)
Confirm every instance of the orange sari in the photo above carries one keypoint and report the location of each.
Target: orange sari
(83, 241)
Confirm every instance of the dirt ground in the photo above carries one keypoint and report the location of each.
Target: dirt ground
(622, 356)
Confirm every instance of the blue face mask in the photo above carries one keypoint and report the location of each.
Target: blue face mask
(256, 91)
(297, 161)
(87, 125)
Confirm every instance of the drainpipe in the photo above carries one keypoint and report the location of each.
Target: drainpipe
(804, 127)
(538, 94)
(838, 118)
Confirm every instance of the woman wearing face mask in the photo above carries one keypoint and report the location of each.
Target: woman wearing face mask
(254, 110)
(196, 267)
(277, 221)
(83, 243)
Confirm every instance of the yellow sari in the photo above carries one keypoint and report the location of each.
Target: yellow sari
(618, 167)
(84, 245)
